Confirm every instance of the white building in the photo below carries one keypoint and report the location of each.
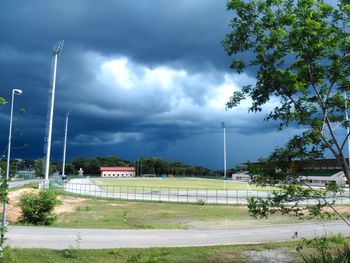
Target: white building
(338, 178)
(117, 172)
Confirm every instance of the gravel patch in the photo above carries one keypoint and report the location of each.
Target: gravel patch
(280, 255)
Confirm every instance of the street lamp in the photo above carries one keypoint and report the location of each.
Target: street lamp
(14, 92)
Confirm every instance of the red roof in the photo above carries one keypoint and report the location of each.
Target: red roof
(117, 169)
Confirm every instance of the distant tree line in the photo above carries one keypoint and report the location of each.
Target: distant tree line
(91, 166)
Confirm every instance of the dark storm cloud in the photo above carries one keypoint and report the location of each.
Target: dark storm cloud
(147, 31)
(137, 75)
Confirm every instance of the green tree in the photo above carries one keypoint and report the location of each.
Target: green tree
(39, 167)
(157, 165)
(300, 53)
(2, 100)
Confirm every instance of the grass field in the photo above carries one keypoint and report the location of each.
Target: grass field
(238, 253)
(119, 214)
(179, 183)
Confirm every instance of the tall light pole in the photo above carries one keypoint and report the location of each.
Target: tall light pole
(65, 147)
(224, 127)
(14, 92)
(347, 128)
(56, 52)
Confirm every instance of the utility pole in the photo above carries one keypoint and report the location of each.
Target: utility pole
(56, 52)
(65, 147)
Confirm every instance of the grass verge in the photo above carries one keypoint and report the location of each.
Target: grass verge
(121, 214)
(284, 251)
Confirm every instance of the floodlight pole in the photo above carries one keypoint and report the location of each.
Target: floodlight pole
(14, 92)
(65, 146)
(56, 52)
(347, 128)
(224, 127)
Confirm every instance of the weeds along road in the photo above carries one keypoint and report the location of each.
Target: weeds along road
(63, 238)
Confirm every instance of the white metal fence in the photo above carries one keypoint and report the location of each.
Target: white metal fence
(181, 195)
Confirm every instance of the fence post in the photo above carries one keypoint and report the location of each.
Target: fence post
(226, 196)
(151, 194)
(216, 196)
(178, 194)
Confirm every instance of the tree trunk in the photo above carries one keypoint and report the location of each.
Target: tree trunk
(345, 166)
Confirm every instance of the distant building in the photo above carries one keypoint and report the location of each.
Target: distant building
(319, 172)
(241, 176)
(117, 172)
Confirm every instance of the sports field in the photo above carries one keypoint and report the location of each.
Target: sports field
(179, 183)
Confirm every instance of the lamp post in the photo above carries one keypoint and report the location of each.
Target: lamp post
(14, 92)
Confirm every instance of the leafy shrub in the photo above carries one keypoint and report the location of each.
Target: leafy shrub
(200, 202)
(37, 208)
(333, 249)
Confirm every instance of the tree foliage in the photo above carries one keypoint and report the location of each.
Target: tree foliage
(299, 51)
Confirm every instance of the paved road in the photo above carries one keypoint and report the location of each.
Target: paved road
(61, 238)
(23, 182)
(86, 187)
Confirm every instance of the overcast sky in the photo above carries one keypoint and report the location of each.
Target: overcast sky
(141, 78)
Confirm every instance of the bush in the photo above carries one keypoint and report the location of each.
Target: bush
(333, 249)
(37, 208)
(200, 202)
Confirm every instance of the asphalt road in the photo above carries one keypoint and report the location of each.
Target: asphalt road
(62, 238)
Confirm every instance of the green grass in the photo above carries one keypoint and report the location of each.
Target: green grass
(189, 254)
(212, 254)
(177, 183)
(121, 214)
